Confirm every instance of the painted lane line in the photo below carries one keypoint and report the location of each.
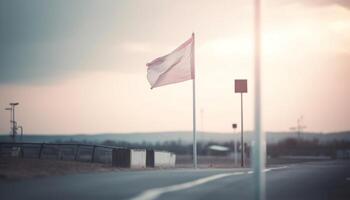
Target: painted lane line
(269, 169)
(266, 170)
(276, 168)
(156, 192)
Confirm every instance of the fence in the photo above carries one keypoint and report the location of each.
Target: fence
(116, 156)
(58, 151)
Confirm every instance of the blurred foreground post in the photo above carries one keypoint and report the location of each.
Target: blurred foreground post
(259, 139)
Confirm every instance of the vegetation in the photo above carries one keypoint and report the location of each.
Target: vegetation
(289, 146)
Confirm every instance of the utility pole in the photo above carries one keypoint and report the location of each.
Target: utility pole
(202, 118)
(299, 127)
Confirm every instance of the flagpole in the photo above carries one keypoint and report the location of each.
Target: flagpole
(194, 107)
(194, 126)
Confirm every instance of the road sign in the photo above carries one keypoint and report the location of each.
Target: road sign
(241, 86)
(234, 126)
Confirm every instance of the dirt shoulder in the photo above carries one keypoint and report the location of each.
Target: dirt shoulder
(15, 168)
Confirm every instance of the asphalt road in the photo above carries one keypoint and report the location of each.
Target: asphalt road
(316, 180)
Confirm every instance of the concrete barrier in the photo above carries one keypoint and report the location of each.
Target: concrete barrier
(138, 158)
(160, 159)
(129, 158)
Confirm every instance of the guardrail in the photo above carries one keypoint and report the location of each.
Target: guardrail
(116, 156)
(58, 151)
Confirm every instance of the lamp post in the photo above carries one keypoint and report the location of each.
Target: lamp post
(241, 87)
(13, 121)
(10, 109)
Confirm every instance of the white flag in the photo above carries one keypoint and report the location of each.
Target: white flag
(175, 67)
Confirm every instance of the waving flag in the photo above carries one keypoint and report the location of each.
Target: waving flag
(175, 67)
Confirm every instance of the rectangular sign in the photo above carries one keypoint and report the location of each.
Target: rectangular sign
(241, 86)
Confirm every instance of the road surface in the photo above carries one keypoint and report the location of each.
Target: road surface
(314, 180)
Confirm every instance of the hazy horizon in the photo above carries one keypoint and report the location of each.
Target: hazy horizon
(80, 67)
(177, 132)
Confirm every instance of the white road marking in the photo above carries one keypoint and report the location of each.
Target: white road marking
(275, 168)
(269, 169)
(154, 193)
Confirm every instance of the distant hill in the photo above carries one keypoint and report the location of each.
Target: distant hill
(184, 136)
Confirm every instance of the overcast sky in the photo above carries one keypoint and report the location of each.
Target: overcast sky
(80, 66)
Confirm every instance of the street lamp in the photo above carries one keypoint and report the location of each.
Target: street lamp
(13, 121)
(10, 109)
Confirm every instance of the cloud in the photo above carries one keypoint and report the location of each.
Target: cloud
(136, 47)
(344, 3)
(42, 41)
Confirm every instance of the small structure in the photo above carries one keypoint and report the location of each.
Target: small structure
(160, 159)
(129, 158)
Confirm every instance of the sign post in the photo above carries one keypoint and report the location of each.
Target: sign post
(241, 87)
(234, 126)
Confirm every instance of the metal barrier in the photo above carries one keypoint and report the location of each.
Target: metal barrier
(59, 151)
(115, 156)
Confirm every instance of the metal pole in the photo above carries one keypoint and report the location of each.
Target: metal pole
(242, 143)
(259, 138)
(235, 149)
(77, 149)
(194, 109)
(93, 154)
(194, 126)
(13, 124)
(21, 133)
(298, 128)
(41, 150)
